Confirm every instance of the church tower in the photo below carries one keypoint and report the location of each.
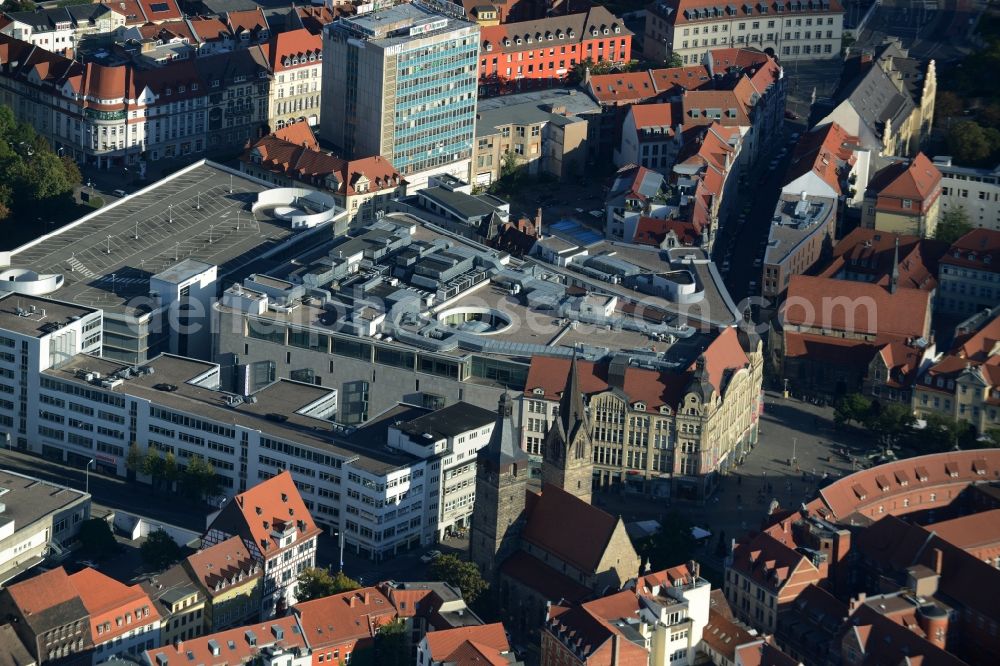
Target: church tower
(501, 484)
(568, 460)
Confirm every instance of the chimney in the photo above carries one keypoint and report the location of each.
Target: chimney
(353, 597)
(368, 596)
(938, 556)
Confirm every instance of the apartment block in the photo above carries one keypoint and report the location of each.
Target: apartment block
(229, 577)
(974, 191)
(802, 231)
(968, 274)
(904, 198)
(401, 83)
(543, 52)
(791, 29)
(295, 61)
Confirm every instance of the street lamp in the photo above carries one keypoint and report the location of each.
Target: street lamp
(87, 473)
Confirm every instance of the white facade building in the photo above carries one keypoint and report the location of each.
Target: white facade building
(447, 440)
(976, 191)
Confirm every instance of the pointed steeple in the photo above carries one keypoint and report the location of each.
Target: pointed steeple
(503, 447)
(571, 410)
(894, 279)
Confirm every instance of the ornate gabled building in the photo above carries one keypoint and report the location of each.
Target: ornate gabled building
(568, 460)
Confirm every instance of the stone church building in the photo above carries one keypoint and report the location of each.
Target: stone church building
(548, 547)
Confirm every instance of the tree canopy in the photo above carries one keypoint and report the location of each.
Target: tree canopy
(952, 225)
(159, 550)
(463, 575)
(851, 407)
(673, 544)
(33, 179)
(96, 538)
(316, 582)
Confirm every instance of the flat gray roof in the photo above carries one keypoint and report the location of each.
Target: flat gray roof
(47, 314)
(28, 500)
(210, 235)
(377, 26)
(283, 398)
(789, 231)
(531, 108)
(464, 205)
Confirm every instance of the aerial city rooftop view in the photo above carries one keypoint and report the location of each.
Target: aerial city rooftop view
(509, 332)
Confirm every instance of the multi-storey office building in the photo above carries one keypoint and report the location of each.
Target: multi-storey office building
(401, 83)
(975, 191)
(792, 29)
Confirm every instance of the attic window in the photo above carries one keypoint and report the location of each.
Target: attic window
(169, 91)
(284, 497)
(181, 89)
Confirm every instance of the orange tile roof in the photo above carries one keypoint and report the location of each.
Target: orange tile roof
(918, 179)
(105, 597)
(209, 28)
(652, 231)
(858, 307)
(724, 354)
(871, 252)
(301, 43)
(42, 592)
(979, 249)
(233, 645)
(346, 617)
(443, 644)
(247, 20)
(273, 503)
(653, 115)
(299, 133)
(724, 636)
(130, 9)
(224, 564)
(824, 151)
(972, 531)
(623, 88)
(157, 11)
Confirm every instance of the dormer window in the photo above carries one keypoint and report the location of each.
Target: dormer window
(618, 29)
(489, 47)
(169, 92)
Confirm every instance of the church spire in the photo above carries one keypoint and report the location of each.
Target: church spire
(571, 410)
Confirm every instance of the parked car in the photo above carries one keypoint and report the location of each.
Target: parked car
(430, 556)
(120, 193)
(791, 115)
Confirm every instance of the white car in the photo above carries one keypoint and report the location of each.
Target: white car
(579, 210)
(597, 213)
(430, 556)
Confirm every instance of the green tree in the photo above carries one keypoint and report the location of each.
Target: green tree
(153, 466)
(96, 539)
(947, 105)
(969, 143)
(133, 461)
(159, 550)
(941, 433)
(851, 407)
(675, 60)
(890, 423)
(672, 544)
(952, 225)
(198, 479)
(19, 6)
(170, 471)
(392, 645)
(463, 575)
(316, 582)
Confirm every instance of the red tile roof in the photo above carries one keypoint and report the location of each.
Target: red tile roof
(763, 653)
(346, 617)
(247, 20)
(130, 9)
(856, 307)
(223, 565)
(569, 528)
(622, 88)
(870, 252)
(314, 18)
(548, 375)
(653, 115)
(299, 44)
(292, 152)
(824, 151)
(42, 592)
(653, 231)
(917, 179)
(536, 575)
(724, 636)
(157, 11)
(723, 355)
(979, 249)
(105, 597)
(209, 28)
(452, 645)
(233, 645)
(270, 505)
(972, 531)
